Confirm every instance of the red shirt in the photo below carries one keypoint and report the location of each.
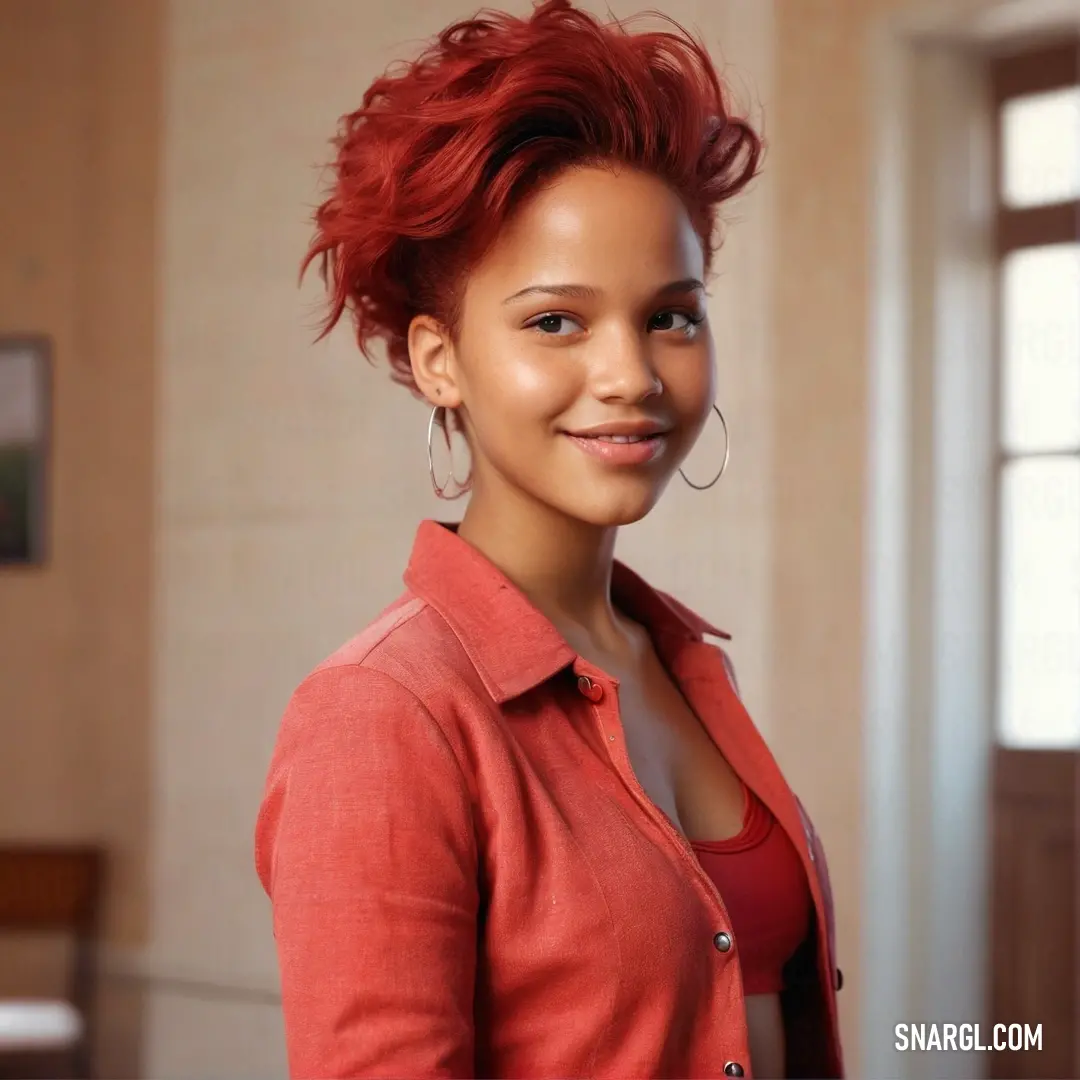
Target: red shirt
(760, 876)
(466, 878)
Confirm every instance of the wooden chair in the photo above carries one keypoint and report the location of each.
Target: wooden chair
(52, 889)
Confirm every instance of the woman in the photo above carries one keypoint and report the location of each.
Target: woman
(521, 826)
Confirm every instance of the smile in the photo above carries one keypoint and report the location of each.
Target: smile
(622, 449)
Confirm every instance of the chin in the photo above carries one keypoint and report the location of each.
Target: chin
(608, 509)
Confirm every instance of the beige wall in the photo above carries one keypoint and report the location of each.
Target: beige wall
(79, 123)
(818, 500)
(825, 117)
(79, 126)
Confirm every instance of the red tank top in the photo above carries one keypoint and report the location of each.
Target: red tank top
(761, 880)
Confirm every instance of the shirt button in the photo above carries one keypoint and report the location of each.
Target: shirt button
(722, 941)
(839, 980)
(733, 1068)
(589, 689)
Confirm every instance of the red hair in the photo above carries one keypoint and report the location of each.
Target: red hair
(444, 148)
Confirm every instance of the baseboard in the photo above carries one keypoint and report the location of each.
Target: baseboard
(162, 975)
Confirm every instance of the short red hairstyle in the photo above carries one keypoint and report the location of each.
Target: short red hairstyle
(443, 148)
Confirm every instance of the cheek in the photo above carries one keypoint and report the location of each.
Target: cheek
(518, 386)
(690, 381)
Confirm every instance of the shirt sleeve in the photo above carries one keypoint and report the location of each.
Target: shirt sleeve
(365, 845)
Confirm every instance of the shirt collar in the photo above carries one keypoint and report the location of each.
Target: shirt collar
(512, 645)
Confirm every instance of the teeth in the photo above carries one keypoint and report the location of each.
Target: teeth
(622, 438)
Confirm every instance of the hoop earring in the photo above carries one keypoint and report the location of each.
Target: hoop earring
(723, 466)
(442, 489)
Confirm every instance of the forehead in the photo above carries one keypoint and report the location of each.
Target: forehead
(617, 230)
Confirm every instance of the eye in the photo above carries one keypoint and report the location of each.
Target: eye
(554, 325)
(681, 321)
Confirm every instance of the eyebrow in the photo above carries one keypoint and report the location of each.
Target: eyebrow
(588, 292)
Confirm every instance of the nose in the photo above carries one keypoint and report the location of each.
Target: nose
(621, 368)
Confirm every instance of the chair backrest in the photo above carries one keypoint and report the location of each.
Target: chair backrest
(50, 887)
(56, 888)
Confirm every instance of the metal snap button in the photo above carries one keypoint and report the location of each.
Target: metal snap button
(722, 941)
(733, 1068)
(588, 689)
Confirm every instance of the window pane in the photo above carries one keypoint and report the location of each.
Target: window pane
(1039, 669)
(1040, 319)
(1040, 146)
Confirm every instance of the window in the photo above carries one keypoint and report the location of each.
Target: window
(1037, 98)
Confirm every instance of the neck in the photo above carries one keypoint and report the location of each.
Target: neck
(561, 564)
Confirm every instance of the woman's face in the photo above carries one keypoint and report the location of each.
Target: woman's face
(583, 363)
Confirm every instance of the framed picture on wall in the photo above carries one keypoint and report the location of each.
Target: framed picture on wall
(25, 410)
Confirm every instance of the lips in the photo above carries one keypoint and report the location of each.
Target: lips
(636, 426)
(618, 438)
(616, 449)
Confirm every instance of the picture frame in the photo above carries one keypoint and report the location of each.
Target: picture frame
(25, 448)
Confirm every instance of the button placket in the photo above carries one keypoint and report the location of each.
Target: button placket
(590, 690)
(722, 940)
(593, 692)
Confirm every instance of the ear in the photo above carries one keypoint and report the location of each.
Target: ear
(431, 356)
